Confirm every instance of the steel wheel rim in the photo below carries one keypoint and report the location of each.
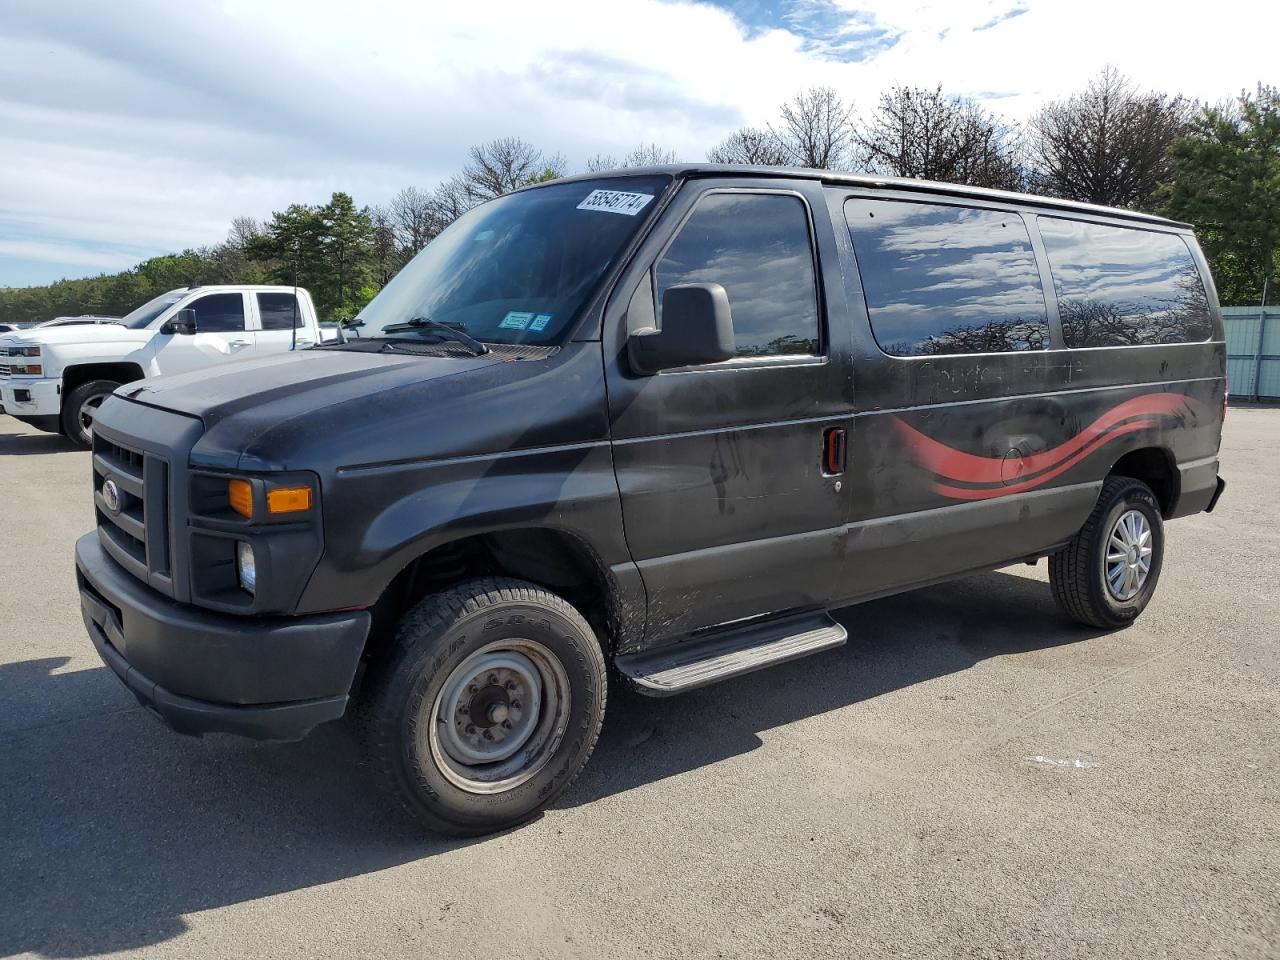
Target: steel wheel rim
(1127, 563)
(517, 691)
(89, 410)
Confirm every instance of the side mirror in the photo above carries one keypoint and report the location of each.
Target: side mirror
(697, 328)
(183, 322)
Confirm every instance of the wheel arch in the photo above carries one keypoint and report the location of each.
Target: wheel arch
(1157, 468)
(551, 557)
(81, 373)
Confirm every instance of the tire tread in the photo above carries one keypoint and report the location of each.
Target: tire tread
(1071, 568)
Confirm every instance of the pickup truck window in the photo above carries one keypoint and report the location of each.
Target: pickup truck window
(278, 311)
(219, 313)
(520, 268)
(143, 315)
(942, 279)
(756, 246)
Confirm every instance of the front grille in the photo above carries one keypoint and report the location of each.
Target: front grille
(133, 521)
(4, 370)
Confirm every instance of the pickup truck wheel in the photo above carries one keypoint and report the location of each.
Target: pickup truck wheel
(488, 706)
(80, 407)
(1108, 572)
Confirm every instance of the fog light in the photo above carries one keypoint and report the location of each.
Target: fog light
(247, 566)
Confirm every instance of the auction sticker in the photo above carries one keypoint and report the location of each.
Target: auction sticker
(615, 201)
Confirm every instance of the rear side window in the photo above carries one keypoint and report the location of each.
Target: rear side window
(942, 279)
(219, 313)
(1122, 286)
(278, 311)
(756, 246)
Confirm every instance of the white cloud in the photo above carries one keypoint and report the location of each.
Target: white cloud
(134, 128)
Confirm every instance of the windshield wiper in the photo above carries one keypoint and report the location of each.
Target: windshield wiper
(453, 332)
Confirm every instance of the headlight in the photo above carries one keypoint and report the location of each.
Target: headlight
(246, 565)
(24, 351)
(26, 370)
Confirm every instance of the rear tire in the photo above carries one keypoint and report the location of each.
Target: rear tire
(486, 708)
(80, 406)
(1108, 572)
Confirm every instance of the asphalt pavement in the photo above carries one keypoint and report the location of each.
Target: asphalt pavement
(970, 776)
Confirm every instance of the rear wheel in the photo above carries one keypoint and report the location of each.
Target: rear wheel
(488, 706)
(80, 408)
(1108, 572)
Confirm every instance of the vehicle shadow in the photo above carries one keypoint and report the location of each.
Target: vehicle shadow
(894, 643)
(23, 444)
(115, 829)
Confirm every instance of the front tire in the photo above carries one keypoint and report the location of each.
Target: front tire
(1106, 575)
(80, 407)
(487, 707)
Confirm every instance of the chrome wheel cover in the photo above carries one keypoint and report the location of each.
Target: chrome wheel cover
(499, 716)
(1127, 563)
(89, 410)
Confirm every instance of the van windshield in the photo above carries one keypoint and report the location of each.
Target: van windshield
(520, 268)
(143, 315)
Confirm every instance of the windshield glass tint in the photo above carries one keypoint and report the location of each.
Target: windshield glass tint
(151, 309)
(519, 268)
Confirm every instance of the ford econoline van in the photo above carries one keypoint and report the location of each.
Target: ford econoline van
(660, 420)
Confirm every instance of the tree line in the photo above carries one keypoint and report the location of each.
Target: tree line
(1111, 143)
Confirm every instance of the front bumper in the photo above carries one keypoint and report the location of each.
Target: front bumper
(269, 678)
(40, 397)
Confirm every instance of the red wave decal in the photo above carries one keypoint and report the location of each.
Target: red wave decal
(959, 467)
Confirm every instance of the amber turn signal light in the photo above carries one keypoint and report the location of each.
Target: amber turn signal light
(288, 500)
(240, 496)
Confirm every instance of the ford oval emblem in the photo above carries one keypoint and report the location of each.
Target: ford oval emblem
(111, 496)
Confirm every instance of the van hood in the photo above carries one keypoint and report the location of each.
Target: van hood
(291, 384)
(328, 411)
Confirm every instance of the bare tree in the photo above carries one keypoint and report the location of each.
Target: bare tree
(651, 155)
(412, 217)
(815, 129)
(243, 230)
(506, 164)
(449, 201)
(1107, 144)
(751, 146)
(928, 135)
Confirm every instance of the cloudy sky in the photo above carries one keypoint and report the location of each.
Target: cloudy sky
(136, 127)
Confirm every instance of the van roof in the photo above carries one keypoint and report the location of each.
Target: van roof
(873, 182)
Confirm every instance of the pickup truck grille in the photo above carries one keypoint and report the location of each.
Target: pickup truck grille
(4, 370)
(133, 522)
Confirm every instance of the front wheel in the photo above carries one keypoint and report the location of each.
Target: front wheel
(487, 707)
(80, 408)
(1108, 572)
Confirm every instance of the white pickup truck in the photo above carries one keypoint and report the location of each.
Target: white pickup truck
(54, 378)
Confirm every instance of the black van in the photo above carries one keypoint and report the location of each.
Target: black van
(663, 419)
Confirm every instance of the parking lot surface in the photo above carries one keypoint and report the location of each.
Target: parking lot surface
(971, 776)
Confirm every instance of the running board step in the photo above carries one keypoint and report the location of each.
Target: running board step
(690, 664)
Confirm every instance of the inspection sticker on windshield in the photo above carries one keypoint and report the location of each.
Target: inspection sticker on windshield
(540, 323)
(515, 321)
(615, 201)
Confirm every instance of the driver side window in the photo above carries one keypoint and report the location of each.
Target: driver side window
(219, 313)
(756, 246)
